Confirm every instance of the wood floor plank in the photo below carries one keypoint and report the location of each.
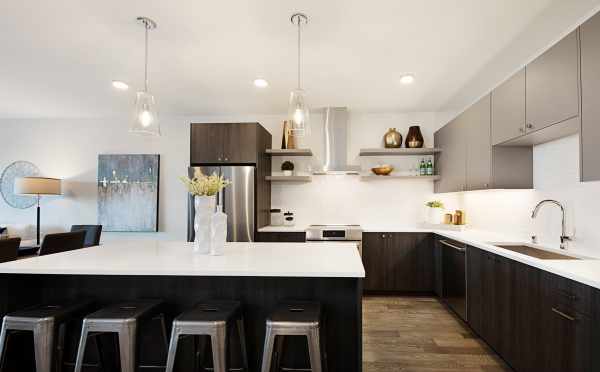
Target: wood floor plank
(419, 334)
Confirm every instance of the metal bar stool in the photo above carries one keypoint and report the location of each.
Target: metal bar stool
(213, 319)
(122, 319)
(295, 319)
(47, 322)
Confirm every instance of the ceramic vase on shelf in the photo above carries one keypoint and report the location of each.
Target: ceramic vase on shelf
(392, 139)
(204, 210)
(218, 231)
(435, 216)
(414, 138)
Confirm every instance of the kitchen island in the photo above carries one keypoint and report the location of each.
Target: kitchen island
(258, 274)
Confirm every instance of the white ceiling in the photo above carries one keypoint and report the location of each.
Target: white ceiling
(57, 58)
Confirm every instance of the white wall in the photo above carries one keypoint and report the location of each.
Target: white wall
(68, 149)
(556, 176)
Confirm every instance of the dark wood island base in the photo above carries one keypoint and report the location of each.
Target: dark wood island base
(340, 297)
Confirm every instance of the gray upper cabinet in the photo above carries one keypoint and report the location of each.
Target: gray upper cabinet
(590, 99)
(451, 161)
(508, 109)
(552, 85)
(476, 121)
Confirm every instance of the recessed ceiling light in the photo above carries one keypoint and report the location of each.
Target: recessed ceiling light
(120, 85)
(261, 83)
(407, 79)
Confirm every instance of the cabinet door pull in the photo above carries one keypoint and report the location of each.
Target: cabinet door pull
(530, 126)
(460, 249)
(383, 236)
(568, 317)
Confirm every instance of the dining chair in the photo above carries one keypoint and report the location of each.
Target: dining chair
(9, 249)
(92, 234)
(61, 242)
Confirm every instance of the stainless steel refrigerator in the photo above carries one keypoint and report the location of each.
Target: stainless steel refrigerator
(238, 201)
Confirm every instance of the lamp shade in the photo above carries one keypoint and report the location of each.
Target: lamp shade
(37, 186)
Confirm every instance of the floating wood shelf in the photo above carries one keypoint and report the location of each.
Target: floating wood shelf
(398, 152)
(371, 177)
(289, 178)
(289, 152)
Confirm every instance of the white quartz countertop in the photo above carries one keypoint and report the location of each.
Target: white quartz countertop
(177, 258)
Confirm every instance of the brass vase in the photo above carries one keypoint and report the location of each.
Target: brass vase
(392, 139)
(414, 138)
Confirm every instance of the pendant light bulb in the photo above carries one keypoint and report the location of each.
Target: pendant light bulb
(145, 116)
(298, 110)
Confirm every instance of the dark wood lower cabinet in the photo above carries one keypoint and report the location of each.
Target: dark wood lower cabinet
(398, 262)
(281, 237)
(535, 320)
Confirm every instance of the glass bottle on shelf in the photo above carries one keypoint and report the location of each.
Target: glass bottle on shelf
(430, 168)
(422, 168)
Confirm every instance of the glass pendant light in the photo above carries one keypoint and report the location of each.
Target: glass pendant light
(298, 111)
(145, 115)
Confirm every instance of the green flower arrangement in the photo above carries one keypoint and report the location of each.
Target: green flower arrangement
(203, 185)
(435, 204)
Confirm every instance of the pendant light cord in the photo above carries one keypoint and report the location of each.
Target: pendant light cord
(146, 61)
(299, 50)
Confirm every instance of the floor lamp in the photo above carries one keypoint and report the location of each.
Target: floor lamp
(37, 186)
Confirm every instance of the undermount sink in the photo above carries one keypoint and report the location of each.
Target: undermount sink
(532, 251)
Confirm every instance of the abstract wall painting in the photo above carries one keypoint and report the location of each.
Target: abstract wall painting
(128, 192)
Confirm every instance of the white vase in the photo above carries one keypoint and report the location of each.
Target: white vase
(435, 216)
(218, 232)
(204, 209)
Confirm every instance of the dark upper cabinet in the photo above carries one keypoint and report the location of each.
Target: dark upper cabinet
(508, 109)
(552, 93)
(398, 262)
(478, 148)
(225, 143)
(206, 143)
(590, 93)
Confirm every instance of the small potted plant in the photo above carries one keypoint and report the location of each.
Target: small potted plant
(287, 168)
(435, 212)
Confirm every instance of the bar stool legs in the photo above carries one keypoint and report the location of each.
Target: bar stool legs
(212, 319)
(294, 319)
(123, 320)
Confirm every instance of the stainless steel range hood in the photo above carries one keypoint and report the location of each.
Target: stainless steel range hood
(335, 142)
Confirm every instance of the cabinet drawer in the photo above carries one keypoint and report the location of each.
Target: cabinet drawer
(568, 296)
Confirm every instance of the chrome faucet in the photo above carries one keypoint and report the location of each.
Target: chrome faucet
(563, 236)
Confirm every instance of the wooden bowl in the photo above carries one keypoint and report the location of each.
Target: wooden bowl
(383, 170)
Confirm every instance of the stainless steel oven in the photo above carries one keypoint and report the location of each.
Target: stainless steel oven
(333, 233)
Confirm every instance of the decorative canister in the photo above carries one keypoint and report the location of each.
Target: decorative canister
(392, 139)
(414, 138)
(288, 219)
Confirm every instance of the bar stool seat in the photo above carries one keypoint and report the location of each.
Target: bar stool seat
(47, 322)
(213, 319)
(295, 318)
(123, 319)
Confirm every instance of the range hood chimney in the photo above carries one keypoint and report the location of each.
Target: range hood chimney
(335, 142)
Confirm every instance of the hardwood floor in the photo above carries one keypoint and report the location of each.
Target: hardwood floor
(419, 334)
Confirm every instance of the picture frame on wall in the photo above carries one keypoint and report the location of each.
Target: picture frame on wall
(128, 192)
